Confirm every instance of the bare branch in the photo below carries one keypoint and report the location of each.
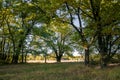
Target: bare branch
(79, 18)
(71, 18)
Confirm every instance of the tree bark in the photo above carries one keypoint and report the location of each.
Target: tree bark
(45, 56)
(25, 57)
(102, 50)
(22, 56)
(86, 56)
(58, 58)
(15, 58)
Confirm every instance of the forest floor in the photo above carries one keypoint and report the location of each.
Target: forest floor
(58, 71)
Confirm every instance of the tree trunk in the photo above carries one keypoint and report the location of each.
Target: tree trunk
(86, 56)
(102, 51)
(25, 57)
(58, 58)
(103, 62)
(45, 56)
(15, 59)
(22, 56)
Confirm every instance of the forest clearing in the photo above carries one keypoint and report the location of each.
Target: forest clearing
(59, 39)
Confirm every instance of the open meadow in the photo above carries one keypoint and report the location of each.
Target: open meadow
(57, 71)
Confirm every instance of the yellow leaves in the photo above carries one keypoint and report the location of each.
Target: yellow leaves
(20, 31)
(5, 11)
(30, 4)
(17, 4)
(30, 17)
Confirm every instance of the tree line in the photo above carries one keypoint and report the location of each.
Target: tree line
(60, 27)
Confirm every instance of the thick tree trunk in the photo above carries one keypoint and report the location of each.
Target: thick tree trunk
(102, 51)
(25, 57)
(22, 58)
(45, 56)
(15, 59)
(103, 62)
(86, 56)
(58, 58)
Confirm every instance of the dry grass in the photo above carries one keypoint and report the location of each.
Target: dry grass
(57, 71)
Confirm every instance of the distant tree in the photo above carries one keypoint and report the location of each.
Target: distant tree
(56, 37)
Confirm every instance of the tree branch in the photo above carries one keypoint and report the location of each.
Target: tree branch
(79, 18)
(86, 13)
(71, 18)
(113, 42)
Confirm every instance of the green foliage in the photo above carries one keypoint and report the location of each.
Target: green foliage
(54, 37)
(50, 22)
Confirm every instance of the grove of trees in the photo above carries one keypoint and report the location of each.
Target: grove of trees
(59, 26)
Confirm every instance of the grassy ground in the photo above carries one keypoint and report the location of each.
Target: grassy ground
(57, 71)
